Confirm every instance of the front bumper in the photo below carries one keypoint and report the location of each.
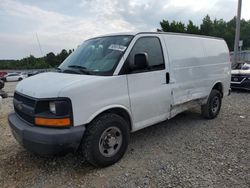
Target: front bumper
(244, 84)
(45, 141)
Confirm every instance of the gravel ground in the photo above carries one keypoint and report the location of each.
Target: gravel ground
(187, 151)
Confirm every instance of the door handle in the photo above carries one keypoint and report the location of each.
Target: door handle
(167, 78)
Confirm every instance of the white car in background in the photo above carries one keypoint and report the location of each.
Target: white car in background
(14, 77)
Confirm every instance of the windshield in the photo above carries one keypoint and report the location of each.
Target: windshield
(98, 56)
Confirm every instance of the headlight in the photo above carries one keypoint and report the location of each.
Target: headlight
(60, 108)
(52, 107)
(54, 113)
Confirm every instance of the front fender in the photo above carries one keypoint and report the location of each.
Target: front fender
(110, 107)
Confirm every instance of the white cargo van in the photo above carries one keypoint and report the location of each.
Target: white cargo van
(116, 84)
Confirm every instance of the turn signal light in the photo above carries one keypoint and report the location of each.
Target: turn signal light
(52, 122)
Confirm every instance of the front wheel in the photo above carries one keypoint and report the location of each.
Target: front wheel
(212, 108)
(105, 140)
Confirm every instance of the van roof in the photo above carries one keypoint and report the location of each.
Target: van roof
(161, 32)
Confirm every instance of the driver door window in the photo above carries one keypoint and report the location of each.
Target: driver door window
(151, 46)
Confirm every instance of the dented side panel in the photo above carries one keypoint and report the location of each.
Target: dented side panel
(197, 64)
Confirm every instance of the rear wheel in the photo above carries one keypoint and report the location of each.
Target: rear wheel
(105, 140)
(19, 79)
(212, 108)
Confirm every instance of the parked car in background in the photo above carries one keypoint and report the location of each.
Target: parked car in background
(32, 73)
(2, 74)
(241, 76)
(14, 77)
(24, 74)
(35, 73)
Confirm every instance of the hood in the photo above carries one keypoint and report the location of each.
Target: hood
(48, 85)
(240, 71)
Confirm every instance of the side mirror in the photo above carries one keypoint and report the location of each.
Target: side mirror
(140, 61)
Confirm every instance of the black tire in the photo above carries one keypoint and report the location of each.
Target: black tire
(4, 95)
(211, 109)
(20, 79)
(91, 143)
(1, 84)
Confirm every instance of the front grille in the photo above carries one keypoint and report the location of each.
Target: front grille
(28, 101)
(237, 78)
(24, 116)
(24, 107)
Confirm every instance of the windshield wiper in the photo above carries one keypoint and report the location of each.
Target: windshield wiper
(58, 69)
(81, 68)
(77, 66)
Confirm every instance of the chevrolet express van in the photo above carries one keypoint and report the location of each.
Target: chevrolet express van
(116, 84)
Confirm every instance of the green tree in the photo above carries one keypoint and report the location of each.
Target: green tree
(219, 28)
(63, 55)
(165, 26)
(31, 62)
(178, 27)
(245, 33)
(216, 28)
(52, 60)
(191, 28)
(206, 27)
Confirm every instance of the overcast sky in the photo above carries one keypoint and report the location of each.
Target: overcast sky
(66, 23)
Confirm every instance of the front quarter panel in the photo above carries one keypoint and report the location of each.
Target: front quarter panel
(95, 96)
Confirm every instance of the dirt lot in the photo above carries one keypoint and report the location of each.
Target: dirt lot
(186, 151)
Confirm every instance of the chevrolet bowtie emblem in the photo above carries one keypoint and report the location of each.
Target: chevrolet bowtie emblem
(20, 106)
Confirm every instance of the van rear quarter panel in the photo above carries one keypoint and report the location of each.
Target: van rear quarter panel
(217, 54)
(196, 64)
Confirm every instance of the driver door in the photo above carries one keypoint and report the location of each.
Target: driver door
(149, 90)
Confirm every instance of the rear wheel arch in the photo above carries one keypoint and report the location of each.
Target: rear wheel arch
(219, 87)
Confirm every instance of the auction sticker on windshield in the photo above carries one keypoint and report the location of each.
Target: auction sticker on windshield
(117, 47)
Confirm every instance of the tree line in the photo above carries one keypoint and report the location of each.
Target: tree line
(209, 27)
(49, 61)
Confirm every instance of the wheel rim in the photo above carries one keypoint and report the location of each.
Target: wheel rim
(110, 141)
(215, 104)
